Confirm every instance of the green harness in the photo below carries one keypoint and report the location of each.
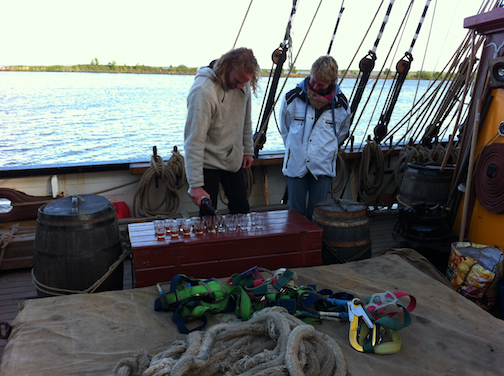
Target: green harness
(193, 300)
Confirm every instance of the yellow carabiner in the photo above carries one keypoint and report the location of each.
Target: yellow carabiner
(355, 313)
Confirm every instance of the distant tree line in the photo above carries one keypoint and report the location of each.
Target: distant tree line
(112, 67)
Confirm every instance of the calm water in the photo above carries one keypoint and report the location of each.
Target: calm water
(75, 118)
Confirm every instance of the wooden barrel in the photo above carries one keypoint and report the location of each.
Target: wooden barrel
(346, 234)
(426, 183)
(76, 242)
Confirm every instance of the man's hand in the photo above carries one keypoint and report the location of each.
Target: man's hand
(197, 194)
(247, 161)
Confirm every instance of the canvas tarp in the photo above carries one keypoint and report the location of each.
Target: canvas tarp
(89, 334)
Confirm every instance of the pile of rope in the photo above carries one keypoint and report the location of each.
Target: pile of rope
(272, 342)
(172, 175)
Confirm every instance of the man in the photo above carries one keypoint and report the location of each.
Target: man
(314, 120)
(218, 132)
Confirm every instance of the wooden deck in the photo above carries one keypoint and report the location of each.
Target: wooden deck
(17, 286)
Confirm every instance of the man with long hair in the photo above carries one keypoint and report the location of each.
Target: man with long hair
(218, 132)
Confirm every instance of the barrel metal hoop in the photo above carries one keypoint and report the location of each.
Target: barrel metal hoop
(76, 225)
(342, 224)
(358, 243)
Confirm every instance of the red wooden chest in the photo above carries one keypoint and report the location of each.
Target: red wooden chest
(287, 239)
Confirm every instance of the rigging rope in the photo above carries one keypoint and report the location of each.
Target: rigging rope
(280, 53)
(366, 66)
(260, 137)
(361, 43)
(336, 27)
(243, 23)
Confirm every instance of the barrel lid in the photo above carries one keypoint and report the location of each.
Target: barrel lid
(76, 205)
(339, 205)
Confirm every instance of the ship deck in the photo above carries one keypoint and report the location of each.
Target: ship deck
(17, 286)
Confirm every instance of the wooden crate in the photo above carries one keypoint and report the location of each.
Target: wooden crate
(287, 239)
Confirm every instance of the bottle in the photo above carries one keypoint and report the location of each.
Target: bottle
(205, 201)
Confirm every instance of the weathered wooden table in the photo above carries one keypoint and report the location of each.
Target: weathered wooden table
(287, 239)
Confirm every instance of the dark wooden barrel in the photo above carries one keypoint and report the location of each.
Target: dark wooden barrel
(346, 234)
(426, 183)
(76, 241)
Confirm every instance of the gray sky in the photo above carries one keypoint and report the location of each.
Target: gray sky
(194, 32)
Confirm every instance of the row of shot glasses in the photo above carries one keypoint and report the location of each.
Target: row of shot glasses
(212, 224)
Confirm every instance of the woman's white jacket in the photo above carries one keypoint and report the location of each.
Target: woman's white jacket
(311, 137)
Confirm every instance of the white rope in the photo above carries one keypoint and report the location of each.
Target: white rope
(272, 342)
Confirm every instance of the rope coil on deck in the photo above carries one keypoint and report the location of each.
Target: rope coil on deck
(272, 342)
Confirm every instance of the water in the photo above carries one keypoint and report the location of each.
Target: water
(84, 118)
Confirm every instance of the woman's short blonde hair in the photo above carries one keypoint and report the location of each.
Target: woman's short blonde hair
(325, 68)
(239, 58)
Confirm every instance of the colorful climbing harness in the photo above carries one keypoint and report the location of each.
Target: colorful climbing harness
(371, 324)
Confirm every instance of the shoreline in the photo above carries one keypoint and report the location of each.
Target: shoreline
(180, 70)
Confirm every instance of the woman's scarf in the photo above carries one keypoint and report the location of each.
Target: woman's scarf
(318, 101)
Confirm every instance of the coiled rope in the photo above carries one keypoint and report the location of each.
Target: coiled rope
(272, 342)
(172, 174)
(365, 184)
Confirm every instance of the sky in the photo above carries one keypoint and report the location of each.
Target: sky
(194, 32)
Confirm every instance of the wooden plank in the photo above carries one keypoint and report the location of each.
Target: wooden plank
(19, 253)
(225, 268)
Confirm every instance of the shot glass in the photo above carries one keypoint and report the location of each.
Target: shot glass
(211, 224)
(199, 226)
(168, 224)
(159, 229)
(243, 221)
(186, 227)
(221, 223)
(259, 221)
(253, 218)
(175, 229)
(231, 222)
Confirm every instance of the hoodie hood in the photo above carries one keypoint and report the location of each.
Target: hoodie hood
(206, 72)
(304, 87)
